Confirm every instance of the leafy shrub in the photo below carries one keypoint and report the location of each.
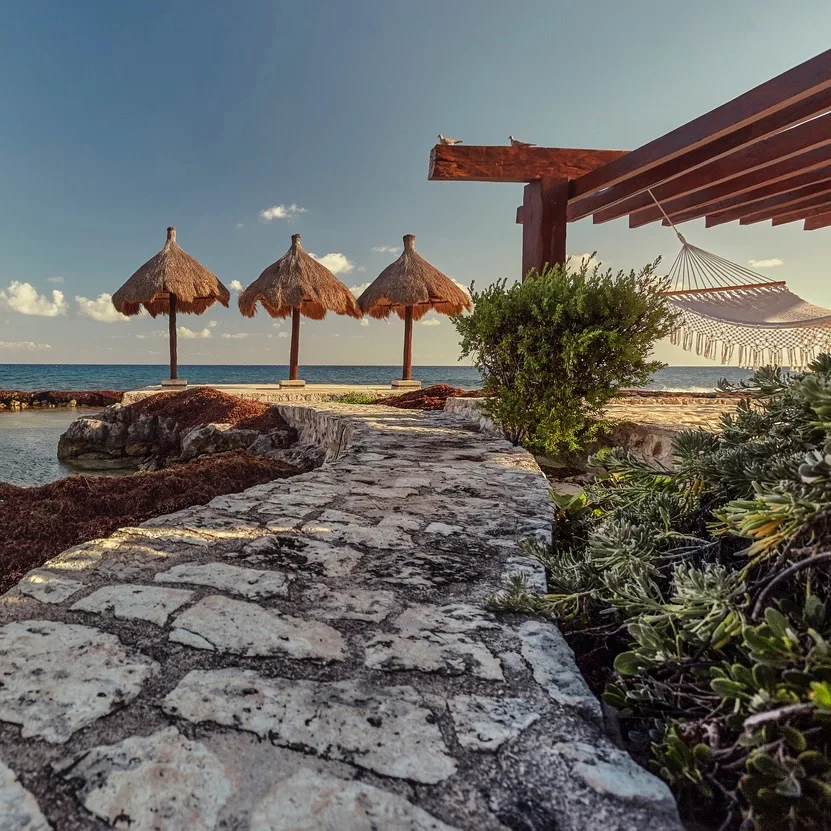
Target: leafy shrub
(710, 583)
(556, 348)
(356, 398)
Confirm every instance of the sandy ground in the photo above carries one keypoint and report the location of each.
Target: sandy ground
(705, 414)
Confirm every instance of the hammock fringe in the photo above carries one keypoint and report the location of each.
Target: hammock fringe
(757, 320)
(752, 348)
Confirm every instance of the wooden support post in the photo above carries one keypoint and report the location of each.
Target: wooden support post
(407, 371)
(294, 357)
(174, 359)
(543, 218)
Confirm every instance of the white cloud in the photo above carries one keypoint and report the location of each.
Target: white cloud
(281, 212)
(57, 280)
(430, 321)
(462, 286)
(190, 334)
(282, 334)
(336, 262)
(212, 324)
(364, 321)
(236, 335)
(359, 290)
(24, 298)
(239, 226)
(100, 309)
(235, 285)
(361, 268)
(23, 345)
(386, 249)
(771, 263)
(577, 261)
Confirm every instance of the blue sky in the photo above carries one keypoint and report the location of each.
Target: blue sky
(120, 119)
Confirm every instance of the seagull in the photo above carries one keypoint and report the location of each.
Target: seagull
(445, 140)
(515, 142)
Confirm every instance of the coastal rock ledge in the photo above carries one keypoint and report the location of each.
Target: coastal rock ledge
(313, 653)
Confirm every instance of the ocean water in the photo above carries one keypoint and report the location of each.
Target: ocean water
(127, 376)
(29, 438)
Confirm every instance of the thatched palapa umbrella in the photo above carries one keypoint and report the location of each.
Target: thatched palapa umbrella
(170, 282)
(411, 287)
(297, 284)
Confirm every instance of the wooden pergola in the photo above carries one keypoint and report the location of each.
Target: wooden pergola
(765, 155)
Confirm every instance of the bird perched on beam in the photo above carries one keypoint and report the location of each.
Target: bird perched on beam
(451, 141)
(515, 142)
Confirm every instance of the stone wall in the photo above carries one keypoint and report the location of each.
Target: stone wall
(313, 653)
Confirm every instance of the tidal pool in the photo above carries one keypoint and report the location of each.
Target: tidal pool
(29, 445)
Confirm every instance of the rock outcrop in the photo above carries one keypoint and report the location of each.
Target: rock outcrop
(138, 435)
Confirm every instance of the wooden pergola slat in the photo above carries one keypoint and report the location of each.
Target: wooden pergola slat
(803, 213)
(802, 147)
(784, 100)
(765, 208)
(764, 155)
(778, 185)
(814, 223)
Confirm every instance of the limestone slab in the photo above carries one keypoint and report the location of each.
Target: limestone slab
(19, 810)
(552, 663)
(349, 604)
(387, 729)
(48, 586)
(133, 602)
(242, 628)
(152, 783)
(611, 772)
(432, 652)
(302, 554)
(312, 801)
(252, 583)
(57, 677)
(484, 723)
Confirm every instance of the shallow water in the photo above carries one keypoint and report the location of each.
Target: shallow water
(29, 444)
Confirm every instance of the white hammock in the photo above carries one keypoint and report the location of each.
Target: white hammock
(730, 310)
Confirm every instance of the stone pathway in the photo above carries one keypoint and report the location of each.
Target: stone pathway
(313, 653)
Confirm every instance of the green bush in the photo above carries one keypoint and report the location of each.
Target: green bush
(356, 398)
(706, 588)
(556, 348)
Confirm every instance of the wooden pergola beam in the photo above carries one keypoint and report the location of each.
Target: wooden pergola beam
(482, 163)
(814, 223)
(755, 211)
(800, 148)
(803, 213)
(793, 97)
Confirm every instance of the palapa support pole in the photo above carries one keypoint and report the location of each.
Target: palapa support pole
(174, 358)
(407, 371)
(294, 357)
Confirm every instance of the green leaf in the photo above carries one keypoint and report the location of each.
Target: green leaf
(777, 621)
(628, 663)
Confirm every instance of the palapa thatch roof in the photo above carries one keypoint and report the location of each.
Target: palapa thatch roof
(298, 281)
(412, 281)
(171, 270)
